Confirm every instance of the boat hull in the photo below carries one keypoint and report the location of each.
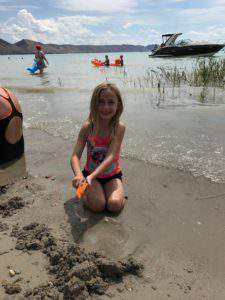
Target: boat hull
(185, 50)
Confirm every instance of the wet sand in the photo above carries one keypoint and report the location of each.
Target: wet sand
(172, 222)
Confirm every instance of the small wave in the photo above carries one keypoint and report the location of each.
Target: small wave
(44, 89)
(211, 165)
(211, 170)
(64, 128)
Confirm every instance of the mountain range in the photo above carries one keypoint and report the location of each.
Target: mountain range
(28, 47)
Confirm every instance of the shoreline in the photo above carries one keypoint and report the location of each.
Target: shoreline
(173, 222)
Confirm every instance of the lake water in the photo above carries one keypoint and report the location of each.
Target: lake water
(174, 128)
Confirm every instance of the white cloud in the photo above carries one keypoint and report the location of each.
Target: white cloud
(204, 16)
(128, 25)
(12, 6)
(97, 5)
(212, 34)
(218, 2)
(60, 30)
(64, 30)
(195, 11)
(7, 7)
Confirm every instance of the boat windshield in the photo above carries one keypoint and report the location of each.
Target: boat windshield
(183, 42)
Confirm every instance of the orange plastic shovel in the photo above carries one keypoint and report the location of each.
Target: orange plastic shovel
(81, 189)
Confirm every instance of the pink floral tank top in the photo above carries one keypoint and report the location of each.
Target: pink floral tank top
(97, 148)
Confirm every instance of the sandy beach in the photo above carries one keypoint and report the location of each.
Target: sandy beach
(172, 223)
(168, 64)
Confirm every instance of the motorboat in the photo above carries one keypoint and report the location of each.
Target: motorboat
(170, 47)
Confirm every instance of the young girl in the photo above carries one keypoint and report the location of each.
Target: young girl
(103, 133)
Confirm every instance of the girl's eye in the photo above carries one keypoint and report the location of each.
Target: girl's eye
(110, 102)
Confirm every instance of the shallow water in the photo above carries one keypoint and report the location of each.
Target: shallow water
(173, 127)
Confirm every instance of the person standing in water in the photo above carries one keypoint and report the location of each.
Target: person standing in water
(103, 134)
(11, 132)
(41, 59)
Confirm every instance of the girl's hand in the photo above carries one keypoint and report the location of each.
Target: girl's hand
(89, 179)
(77, 180)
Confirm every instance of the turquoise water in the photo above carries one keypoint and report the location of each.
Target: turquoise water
(173, 128)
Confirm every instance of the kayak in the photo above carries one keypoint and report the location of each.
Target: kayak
(99, 63)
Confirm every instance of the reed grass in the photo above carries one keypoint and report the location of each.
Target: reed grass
(208, 72)
(205, 73)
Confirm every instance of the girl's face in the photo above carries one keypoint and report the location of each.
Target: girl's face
(107, 105)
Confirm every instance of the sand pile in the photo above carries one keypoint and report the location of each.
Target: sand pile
(10, 206)
(76, 274)
(3, 226)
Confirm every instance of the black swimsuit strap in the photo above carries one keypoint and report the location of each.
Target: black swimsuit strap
(10, 151)
(15, 112)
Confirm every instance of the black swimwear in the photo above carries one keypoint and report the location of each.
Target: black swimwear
(103, 181)
(107, 63)
(9, 151)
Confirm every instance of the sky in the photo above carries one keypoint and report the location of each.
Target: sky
(101, 22)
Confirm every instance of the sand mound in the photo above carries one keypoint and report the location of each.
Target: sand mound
(9, 206)
(77, 274)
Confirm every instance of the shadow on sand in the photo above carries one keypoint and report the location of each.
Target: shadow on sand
(81, 218)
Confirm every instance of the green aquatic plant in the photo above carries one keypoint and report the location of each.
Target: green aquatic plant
(203, 95)
(208, 72)
(172, 76)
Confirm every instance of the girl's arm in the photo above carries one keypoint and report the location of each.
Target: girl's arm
(112, 151)
(77, 153)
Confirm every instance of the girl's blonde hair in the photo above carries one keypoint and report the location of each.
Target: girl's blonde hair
(93, 118)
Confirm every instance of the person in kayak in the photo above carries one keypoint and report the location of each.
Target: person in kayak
(41, 59)
(11, 132)
(121, 60)
(106, 62)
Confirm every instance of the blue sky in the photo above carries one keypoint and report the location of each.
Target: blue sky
(110, 21)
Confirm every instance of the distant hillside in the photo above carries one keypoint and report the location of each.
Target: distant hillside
(28, 47)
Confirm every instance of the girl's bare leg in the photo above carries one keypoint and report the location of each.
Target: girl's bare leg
(114, 193)
(94, 197)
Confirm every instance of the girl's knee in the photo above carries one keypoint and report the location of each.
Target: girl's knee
(97, 208)
(115, 204)
(96, 205)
